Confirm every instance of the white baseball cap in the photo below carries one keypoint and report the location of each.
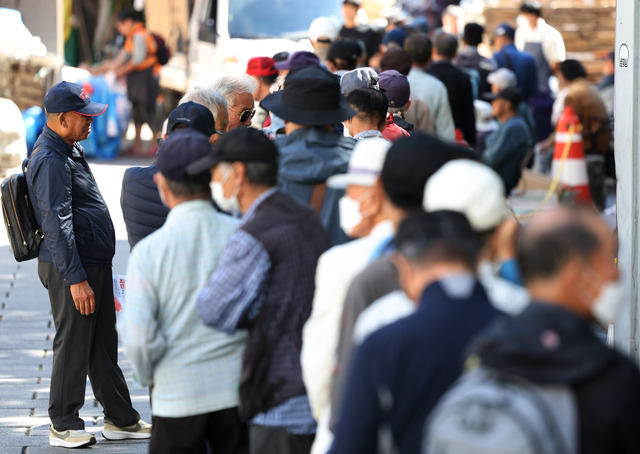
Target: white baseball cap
(324, 27)
(471, 188)
(365, 164)
(503, 78)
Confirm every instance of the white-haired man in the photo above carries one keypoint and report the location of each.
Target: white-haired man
(237, 88)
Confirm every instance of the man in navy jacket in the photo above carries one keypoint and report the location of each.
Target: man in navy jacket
(142, 209)
(401, 370)
(74, 265)
(459, 88)
(521, 63)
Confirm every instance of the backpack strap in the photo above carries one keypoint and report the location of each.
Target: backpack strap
(317, 197)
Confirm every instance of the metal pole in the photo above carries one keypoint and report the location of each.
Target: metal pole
(627, 141)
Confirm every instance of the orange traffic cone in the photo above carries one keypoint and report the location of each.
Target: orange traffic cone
(569, 166)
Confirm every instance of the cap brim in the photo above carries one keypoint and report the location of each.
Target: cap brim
(93, 109)
(282, 65)
(343, 180)
(201, 165)
(309, 116)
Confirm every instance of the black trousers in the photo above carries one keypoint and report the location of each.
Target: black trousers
(85, 345)
(218, 432)
(265, 440)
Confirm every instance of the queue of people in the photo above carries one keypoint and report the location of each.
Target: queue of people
(324, 276)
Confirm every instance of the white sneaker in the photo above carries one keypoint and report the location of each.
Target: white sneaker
(70, 438)
(139, 430)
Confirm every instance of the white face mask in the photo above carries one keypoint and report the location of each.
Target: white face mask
(345, 130)
(229, 204)
(350, 215)
(605, 307)
(162, 199)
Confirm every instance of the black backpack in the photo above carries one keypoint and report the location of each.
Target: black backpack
(163, 52)
(24, 232)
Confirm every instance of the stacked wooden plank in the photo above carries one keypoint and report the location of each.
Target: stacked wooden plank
(587, 26)
(26, 81)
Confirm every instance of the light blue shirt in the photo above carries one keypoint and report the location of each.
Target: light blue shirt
(195, 369)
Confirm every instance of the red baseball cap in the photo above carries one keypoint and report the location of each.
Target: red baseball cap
(261, 66)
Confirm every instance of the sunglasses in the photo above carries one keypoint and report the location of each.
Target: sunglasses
(245, 115)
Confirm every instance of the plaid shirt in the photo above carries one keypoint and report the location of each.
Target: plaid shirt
(233, 296)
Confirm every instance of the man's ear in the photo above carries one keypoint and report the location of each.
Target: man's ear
(382, 125)
(378, 194)
(238, 173)
(62, 119)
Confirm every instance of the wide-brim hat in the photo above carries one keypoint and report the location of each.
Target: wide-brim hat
(310, 96)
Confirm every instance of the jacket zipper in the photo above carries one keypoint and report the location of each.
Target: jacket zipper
(24, 242)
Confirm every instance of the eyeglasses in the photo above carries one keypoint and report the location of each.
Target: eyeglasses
(246, 115)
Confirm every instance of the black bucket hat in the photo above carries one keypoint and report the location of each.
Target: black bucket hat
(311, 96)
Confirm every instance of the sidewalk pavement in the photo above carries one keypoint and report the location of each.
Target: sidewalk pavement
(26, 336)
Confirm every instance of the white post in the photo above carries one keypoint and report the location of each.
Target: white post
(59, 29)
(627, 141)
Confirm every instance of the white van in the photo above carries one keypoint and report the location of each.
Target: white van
(225, 34)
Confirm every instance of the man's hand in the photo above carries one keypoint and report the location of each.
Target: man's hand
(83, 297)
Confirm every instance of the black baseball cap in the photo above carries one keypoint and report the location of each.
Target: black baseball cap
(511, 94)
(411, 161)
(345, 49)
(71, 97)
(181, 149)
(532, 7)
(239, 145)
(195, 116)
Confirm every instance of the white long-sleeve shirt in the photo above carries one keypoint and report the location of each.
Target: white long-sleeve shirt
(433, 92)
(336, 269)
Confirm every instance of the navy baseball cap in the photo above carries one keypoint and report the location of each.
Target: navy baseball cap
(195, 116)
(239, 145)
(181, 149)
(396, 87)
(300, 58)
(504, 29)
(71, 97)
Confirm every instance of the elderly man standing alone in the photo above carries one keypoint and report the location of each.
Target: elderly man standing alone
(265, 283)
(74, 265)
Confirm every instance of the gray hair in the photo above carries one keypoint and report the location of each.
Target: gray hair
(211, 99)
(398, 110)
(230, 85)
